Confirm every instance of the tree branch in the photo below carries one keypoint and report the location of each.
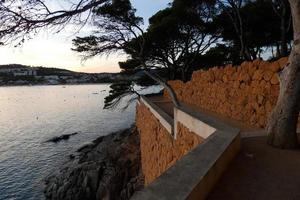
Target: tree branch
(166, 86)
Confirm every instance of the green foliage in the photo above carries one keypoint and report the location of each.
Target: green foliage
(116, 24)
(218, 56)
(119, 11)
(187, 35)
(118, 91)
(260, 24)
(176, 36)
(130, 65)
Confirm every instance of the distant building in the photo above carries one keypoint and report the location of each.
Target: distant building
(25, 72)
(5, 70)
(52, 77)
(18, 70)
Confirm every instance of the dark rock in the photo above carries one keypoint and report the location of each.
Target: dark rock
(109, 168)
(62, 137)
(71, 156)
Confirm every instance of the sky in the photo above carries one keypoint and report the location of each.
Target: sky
(54, 50)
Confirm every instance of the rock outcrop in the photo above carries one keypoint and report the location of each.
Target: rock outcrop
(109, 168)
(62, 137)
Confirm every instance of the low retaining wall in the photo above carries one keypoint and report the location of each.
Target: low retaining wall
(183, 165)
(246, 93)
(183, 157)
(187, 119)
(159, 149)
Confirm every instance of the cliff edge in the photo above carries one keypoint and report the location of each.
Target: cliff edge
(108, 168)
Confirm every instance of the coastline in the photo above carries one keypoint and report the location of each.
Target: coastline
(65, 84)
(109, 167)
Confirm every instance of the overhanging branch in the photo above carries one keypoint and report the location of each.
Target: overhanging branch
(166, 86)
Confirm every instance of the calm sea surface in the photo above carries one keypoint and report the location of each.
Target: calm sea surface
(31, 115)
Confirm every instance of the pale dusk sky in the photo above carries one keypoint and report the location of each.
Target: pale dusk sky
(54, 50)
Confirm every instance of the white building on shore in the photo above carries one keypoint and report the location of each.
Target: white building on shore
(27, 72)
(18, 71)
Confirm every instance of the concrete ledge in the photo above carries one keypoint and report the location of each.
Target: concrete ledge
(184, 115)
(206, 118)
(195, 175)
(162, 117)
(193, 123)
(215, 172)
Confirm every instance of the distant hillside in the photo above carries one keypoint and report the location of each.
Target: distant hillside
(41, 70)
(16, 74)
(13, 66)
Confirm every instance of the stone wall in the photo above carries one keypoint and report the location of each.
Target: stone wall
(246, 93)
(159, 150)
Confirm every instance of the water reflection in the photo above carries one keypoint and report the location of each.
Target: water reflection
(31, 115)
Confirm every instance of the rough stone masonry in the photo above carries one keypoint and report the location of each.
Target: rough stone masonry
(246, 93)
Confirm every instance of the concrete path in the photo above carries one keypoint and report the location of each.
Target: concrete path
(260, 172)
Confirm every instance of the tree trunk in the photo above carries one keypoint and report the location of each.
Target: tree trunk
(183, 75)
(277, 50)
(284, 48)
(172, 74)
(282, 126)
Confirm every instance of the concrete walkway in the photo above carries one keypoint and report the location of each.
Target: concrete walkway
(259, 172)
(165, 104)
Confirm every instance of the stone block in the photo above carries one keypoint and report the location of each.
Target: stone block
(268, 75)
(258, 75)
(274, 80)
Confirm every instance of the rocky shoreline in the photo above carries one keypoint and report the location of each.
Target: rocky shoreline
(108, 168)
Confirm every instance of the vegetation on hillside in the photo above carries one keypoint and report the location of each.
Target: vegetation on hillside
(16, 74)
